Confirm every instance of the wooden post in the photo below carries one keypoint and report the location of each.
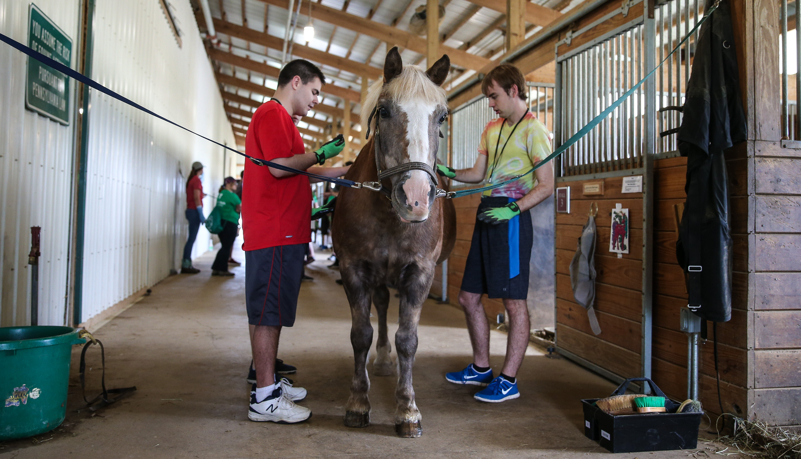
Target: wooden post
(432, 32)
(515, 22)
(346, 132)
(365, 86)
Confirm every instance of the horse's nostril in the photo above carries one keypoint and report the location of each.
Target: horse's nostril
(416, 203)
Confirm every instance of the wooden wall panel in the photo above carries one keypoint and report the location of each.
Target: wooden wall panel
(777, 406)
(617, 301)
(621, 332)
(778, 252)
(667, 315)
(777, 330)
(568, 235)
(671, 346)
(777, 368)
(778, 214)
(777, 291)
(606, 355)
(778, 176)
(618, 272)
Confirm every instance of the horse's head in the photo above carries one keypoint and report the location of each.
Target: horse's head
(406, 110)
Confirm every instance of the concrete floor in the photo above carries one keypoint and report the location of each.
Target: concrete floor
(185, 347)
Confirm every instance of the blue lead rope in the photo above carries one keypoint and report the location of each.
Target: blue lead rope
(592, 124)
(93, 84)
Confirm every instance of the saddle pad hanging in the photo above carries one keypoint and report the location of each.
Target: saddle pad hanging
(582, 272)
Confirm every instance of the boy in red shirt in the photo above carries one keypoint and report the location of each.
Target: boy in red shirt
(275, 226)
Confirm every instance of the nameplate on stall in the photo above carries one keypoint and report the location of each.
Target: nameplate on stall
(593, 188)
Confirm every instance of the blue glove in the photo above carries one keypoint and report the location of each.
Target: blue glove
(200, 213)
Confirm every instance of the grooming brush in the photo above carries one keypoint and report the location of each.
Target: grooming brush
(650, 404)
(618, 404)
(690, 406)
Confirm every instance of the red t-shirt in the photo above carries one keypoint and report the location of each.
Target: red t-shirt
(194, 184)
(275, 211)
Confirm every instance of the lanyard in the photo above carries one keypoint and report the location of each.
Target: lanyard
(497, 157)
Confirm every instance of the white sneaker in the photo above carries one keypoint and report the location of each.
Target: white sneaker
(295, 394)
(277, 408)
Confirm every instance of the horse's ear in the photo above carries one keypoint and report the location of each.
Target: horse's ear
(439, 71)
(393, 65)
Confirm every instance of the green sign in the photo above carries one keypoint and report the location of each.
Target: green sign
(47, 90)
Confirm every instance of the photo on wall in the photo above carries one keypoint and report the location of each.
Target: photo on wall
(619, 238)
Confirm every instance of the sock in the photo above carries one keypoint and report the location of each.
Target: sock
(481, 369)
(264, 392)
(509, 378)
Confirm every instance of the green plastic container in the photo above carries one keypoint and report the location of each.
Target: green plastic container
(34, 377)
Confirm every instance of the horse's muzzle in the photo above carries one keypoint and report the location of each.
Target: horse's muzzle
(413, 195)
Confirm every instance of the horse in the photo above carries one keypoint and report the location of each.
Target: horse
(397, 236)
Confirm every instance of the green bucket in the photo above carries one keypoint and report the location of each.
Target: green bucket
(35, 364)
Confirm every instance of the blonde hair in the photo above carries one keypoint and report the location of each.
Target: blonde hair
(412, 84)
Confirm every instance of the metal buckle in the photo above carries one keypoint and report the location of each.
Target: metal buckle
(444, 194)
(693, 307)
(375, 186)
(694, 269)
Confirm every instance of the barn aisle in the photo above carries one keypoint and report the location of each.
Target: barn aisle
(185, 347)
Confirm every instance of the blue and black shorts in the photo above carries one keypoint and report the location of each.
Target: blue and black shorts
(498, 261)
(272, 284)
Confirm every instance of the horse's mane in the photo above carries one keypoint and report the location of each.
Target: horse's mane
(411, 84)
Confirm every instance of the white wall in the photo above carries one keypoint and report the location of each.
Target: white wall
(35, 176)
(135, 224)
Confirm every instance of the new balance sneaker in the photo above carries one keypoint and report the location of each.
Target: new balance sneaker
(277, 407)
(470, 377)
(295, 394)
(499, 390)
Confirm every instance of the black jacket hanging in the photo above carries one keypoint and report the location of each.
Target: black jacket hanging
(713, 121)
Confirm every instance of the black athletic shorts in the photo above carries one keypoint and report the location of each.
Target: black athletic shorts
(498, 251)
(272, 284)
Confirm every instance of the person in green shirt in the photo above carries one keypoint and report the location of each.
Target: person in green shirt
(229, 206)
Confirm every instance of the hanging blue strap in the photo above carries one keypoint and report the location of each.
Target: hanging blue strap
(93, 84)
(591, 125)
(514, 245)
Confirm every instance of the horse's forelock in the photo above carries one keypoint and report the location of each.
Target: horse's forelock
(411, 85)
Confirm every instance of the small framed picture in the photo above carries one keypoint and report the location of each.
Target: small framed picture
(619, 238)
(563, 200)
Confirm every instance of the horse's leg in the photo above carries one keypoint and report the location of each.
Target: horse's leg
(382, 365)
(413, 288)
(357, 412)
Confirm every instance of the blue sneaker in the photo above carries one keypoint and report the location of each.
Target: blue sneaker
(499, 390)
(470, 377)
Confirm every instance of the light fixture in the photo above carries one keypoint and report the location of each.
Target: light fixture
(308, 31)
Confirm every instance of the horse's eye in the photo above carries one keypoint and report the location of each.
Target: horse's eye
(383, 112)
(443, 118)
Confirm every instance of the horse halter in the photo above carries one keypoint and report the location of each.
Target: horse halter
(399, 169)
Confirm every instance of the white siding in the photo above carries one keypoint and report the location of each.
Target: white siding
(35, 176)
(138, 164)
(135, 224)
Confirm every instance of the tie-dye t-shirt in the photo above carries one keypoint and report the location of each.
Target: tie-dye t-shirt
(529, 145)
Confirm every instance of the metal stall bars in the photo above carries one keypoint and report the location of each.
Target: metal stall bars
(541, 103)
(790, 49)
(672, 21)
(618, 50)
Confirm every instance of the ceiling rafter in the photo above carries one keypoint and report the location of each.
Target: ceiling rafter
(386, 33)
(305, 52)
(272, 72)
(535, 14)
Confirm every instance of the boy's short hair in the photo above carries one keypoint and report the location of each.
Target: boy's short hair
(302, 68)
(506, 75)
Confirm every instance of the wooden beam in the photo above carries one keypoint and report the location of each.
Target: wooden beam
(515, 22)
(488, 30)
(239, 130)
(272, 72)
(386, 33)
(304, 52)
(236, 98)
(241, 100)
(432, 32)
(535, 14)
(238, 111)
(346, 124)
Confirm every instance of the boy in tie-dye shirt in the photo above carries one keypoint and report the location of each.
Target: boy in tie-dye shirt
(498, 262)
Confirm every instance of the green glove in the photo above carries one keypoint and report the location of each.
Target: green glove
(446, 171)
(497, 215)
(326, 209)
(330, 149)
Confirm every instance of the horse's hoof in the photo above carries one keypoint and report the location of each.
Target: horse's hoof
(409, 429)
(354, 419)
